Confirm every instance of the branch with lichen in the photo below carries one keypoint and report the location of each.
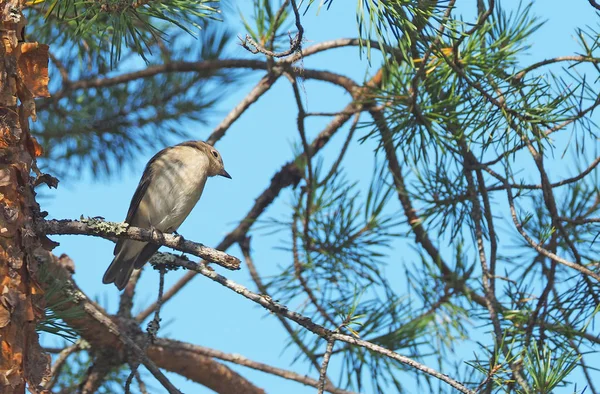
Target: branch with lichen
(112, 230)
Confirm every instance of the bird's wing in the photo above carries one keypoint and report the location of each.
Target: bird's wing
(139, 194)
(147, 178)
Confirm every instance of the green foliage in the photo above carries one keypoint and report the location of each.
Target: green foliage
(466, 115)
(77, 366)
(265, 23)
(547, 370)
(456, 94)
(116, 25)
(102, 128)
(56, 311)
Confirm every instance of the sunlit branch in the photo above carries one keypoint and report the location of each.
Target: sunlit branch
(519, 226)
(295, 43)
(288, 175)
(110, 230)
(304, 321)
(261, 88)
(241, 360)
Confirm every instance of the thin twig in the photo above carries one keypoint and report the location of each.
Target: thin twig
(295, 43)
(240, 360)
(141, 384)
(487, 279)
(578, 59)
(308, 157)
(326, 113)
(126, 299)
(323, 371)
(60, 363)
(298, 271)
(96, 373)
(203, 66)
(339, 159)
(480, 21)
(245, 247)
(153, 326)
(304, 321)
(261, 88)
(64, 74)
(538, 247)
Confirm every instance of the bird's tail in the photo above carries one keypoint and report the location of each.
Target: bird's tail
(119, 271)
(123, 264)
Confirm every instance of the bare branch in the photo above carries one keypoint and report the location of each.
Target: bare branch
(141, 384)
(545, 62)
(63, 355)
(240, 360)
(594, 4)
(261, 88)
(207, 65)
(111, 230)
(245, 247)
(344, 42)
(152, 329)
(581, 268)
(126, 298)
(323, 371)
(304, 321)
(339, 159)
(102, 332)
(96, 326)
(96, 374)
(295, 43)
(200, 368)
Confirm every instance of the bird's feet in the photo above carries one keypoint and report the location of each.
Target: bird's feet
(155, 231)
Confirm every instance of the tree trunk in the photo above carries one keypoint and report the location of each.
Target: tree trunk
(23, 76)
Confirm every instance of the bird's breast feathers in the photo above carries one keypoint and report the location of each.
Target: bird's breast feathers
(178, 179)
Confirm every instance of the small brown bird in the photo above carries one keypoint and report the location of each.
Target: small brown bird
(170, 187)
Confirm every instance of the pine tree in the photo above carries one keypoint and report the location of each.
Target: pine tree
(492, 245)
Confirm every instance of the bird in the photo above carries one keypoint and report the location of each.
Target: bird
(170, 187)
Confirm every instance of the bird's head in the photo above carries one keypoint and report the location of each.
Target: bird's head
(215, 161)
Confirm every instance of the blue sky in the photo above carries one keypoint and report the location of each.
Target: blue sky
(256, 146)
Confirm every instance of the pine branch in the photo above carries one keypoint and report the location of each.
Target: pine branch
(111, 230)
(121, 338)
(185, 349)
(288, 175)
(295, 43)
(307, 323)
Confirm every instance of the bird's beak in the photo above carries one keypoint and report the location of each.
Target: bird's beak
(225, 174)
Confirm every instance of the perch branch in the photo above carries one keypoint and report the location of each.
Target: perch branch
(111, 230)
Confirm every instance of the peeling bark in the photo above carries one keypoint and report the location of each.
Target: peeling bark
(23, 76)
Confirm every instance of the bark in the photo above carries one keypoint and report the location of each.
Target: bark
(203, 369)
(102, 331)
(23, 76)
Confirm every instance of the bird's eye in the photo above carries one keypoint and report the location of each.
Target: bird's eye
(215, 154)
